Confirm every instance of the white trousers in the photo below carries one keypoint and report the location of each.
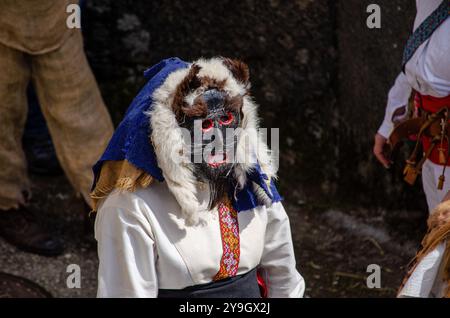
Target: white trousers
(426, 280)
(430, 179)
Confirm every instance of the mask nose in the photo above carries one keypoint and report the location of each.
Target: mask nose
(215, 99)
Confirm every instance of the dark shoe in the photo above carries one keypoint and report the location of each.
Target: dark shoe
(20, 228)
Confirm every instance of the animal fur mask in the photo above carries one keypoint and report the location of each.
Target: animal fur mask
(214, 93)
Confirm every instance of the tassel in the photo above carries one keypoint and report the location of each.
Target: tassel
(410, 174)
(441, 182)
(409, 166)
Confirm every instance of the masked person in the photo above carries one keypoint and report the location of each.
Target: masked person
(36, 45)
(170, 225)
(426, 74)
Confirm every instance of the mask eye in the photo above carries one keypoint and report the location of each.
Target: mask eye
(207, 124)
(226, 119)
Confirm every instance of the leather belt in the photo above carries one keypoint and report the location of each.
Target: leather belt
(432, 125)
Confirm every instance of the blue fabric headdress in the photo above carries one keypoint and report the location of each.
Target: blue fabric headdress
(131, 140)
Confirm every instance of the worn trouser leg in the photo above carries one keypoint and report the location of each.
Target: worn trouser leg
(77, 118)
(15, 74)
(430, 179)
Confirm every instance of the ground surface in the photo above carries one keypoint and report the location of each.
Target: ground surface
(334, 249)
(333, 246)
(61, 211)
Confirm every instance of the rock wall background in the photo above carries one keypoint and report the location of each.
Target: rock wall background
(369, 62)
(318, 73)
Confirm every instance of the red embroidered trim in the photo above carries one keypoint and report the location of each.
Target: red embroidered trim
(229, 229)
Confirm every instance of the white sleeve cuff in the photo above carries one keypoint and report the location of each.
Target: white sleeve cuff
(398, 97)
(386, 128)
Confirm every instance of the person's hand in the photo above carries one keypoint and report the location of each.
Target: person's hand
(379, 148)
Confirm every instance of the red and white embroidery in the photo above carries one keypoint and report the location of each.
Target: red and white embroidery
(229, 229)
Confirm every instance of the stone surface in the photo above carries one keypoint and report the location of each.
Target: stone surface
(289, 45)
(317, 71)
(369, 62)
(61, 212)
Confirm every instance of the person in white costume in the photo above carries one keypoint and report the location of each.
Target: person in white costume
(168, 225)
(427, 75)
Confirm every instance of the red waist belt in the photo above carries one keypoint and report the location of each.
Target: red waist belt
(432, 104)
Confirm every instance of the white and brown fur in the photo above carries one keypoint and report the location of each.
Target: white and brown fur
(168, 141)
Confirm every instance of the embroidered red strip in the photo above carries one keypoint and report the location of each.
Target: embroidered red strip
(229, 229)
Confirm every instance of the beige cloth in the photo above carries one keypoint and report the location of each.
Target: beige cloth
(77, 118)
(120, 175)
(34, 26)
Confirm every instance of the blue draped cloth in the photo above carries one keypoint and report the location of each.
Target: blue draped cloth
(131, 140)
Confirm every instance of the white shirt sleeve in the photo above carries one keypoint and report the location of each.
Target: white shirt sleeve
(398, 97)
(126, 254)
(427, 71)
(278, 260)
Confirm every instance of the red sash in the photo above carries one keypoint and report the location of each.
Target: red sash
(432, 104)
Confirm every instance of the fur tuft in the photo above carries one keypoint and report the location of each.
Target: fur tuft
(239, 70)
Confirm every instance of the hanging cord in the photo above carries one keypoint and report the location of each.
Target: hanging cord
(412, 168)
(444, 135)
(411, 175)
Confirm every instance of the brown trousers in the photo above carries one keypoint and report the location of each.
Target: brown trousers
(77, 118)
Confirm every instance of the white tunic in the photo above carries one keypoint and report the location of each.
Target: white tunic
(427, 72)
(144, 246)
